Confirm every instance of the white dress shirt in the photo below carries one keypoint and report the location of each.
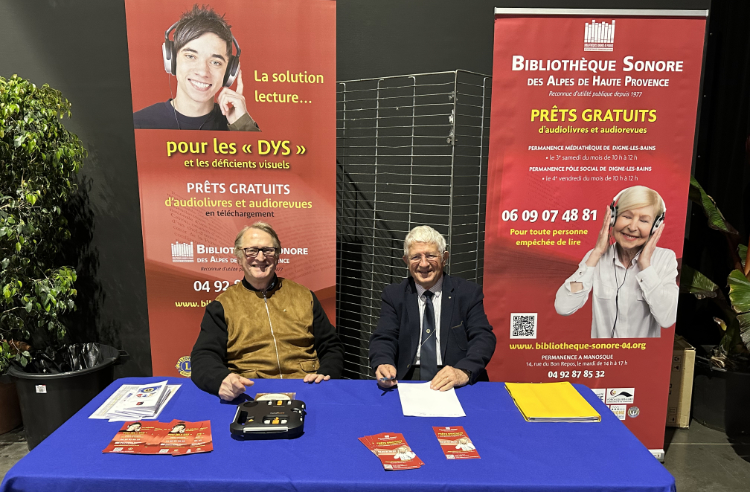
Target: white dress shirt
(628, 302)
(437, 291)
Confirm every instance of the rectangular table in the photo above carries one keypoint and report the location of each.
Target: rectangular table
(515, 455)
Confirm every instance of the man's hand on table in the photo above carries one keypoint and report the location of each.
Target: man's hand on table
(449, 377)
(233, 386)
(386, 376)
(316, 378)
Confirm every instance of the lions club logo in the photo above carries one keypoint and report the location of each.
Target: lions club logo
(183, 366)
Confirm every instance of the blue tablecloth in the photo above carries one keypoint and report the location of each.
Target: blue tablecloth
(515, 455)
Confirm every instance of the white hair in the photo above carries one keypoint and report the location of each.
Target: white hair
(424, 234)
(637, 197)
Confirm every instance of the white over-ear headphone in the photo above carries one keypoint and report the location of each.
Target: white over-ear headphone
(657, 222)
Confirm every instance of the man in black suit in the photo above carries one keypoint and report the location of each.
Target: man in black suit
(432, 326)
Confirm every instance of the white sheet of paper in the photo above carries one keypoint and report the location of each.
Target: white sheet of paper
(418, 400)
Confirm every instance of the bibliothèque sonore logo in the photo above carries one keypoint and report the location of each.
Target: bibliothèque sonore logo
(182, 252)
(599, 36)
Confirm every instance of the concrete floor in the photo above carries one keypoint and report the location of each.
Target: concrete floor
(701, 459)
(12, 448)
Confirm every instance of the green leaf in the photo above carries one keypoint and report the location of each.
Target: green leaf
(715, 218)
(694, 282)
(744, 320)
(739, 291)
(741, 251)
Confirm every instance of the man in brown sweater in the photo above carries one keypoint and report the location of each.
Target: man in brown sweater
(263, 327)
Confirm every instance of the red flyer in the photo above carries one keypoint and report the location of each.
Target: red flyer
(180, 437)
(203, 442)
(392, 450)
(130, 439)
(455, 443)
(158, 431)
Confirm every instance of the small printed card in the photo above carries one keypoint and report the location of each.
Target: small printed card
(392, 450)
(455, 443)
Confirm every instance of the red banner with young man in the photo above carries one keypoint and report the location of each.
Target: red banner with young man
(234, 123)
(591, 140)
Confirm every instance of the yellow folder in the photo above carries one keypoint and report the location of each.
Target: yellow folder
(551, 402)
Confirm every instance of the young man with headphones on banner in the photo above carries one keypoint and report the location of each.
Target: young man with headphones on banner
(634, 282)
(200, 57)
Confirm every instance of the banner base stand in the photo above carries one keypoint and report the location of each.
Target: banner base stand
(658, 454)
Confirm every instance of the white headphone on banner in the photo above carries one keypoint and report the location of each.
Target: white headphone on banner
(657, 222)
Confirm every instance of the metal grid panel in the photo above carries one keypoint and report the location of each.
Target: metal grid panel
(411, 150)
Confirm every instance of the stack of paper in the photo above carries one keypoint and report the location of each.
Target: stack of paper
(140, 402)
(110, 409)
(393, 451)
(551, 402)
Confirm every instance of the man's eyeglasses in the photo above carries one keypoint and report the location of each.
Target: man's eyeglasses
(253, 252)
(428, 257)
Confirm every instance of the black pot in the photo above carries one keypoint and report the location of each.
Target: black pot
(48, 400)
(10, 410)
(721, 398)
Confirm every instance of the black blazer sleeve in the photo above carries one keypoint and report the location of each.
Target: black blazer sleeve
(208, 361)
(480, 341)
(384, 340)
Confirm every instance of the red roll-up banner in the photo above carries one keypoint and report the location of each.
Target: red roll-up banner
(589, 110)
(200, 181)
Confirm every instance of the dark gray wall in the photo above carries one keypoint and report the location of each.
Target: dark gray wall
(80, 47)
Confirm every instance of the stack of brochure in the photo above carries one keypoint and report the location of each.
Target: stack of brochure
(551, 402)
(140, 402)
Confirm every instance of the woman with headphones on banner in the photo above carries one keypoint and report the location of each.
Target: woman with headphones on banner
(634, 281)
(200, 58)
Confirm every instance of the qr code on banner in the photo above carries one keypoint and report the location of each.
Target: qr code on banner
(523, 325)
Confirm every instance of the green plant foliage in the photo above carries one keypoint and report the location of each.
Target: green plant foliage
(739, 291)
(716, 219)
(39, 161)
(742, 251)
(694, 282)
(735, 307)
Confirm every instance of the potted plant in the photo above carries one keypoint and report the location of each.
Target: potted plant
(721, 393)
(40, 159)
